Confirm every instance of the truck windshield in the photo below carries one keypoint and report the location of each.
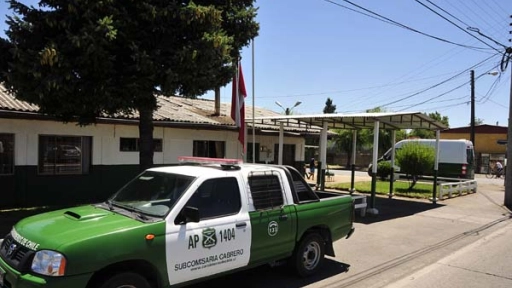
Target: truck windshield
(152, 193)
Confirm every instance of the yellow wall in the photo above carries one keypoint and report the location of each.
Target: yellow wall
(484, 143)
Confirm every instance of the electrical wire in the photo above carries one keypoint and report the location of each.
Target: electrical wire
(357, 89)
(467, 25)
(491, 90)
(449, 91)
(435, 12)
(486, 12)
(390, 21)
(440, 83)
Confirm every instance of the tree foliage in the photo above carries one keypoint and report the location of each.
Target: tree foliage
(329, 107)
(429, 134)
(78, 60)
(415, 159)
(384, 135)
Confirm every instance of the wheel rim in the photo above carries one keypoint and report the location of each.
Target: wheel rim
(311, 255)
(127, 286)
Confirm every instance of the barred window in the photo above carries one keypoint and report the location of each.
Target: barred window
(266, 191)
(60, 155)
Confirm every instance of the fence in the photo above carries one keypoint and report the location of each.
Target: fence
(458, 188)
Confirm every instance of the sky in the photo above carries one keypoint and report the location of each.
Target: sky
(311, 50)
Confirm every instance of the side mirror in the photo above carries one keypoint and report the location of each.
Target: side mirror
(190, 214)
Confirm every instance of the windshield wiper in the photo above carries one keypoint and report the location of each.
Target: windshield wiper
(110, 206)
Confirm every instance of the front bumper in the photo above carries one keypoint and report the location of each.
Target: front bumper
(11, 278)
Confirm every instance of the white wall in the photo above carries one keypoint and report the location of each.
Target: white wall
(106, 138)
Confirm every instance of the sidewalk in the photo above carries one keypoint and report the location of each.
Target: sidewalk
(458, 242)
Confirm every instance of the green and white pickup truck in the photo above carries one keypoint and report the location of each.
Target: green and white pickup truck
(176, 225)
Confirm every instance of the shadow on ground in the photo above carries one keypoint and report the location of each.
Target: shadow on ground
(268, 277)
(390, 209)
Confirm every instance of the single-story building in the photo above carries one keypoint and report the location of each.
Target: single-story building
(46, 162)
(487, 139)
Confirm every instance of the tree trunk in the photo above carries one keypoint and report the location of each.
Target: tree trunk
(146, 147)
(217, 101)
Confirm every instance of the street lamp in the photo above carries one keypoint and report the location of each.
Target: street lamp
(472, 128)
(288, 111)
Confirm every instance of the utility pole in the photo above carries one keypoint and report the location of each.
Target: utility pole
(472, 128)
(508, 170)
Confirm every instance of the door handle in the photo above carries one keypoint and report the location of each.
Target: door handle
(283, 217)
(241, 224)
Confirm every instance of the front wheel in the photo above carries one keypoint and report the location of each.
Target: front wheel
(489, 174)
(309, 255)
(126, 280)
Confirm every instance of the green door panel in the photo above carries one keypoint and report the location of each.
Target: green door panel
(273, 234)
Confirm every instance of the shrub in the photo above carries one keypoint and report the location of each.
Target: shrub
(415, 159)
(384, 169)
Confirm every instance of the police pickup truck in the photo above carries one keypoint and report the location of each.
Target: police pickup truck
(176, 225)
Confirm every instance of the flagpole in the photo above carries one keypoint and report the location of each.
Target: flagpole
(253, 105)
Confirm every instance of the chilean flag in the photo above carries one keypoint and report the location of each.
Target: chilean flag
(238, 104)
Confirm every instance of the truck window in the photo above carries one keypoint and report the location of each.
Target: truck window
(216, 198)
(301, 187)
(154, 193)
(266, 191)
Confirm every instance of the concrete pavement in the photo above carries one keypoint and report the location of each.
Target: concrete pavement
(459, 242)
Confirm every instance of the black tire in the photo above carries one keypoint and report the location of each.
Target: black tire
(126, 280)
(308, 256)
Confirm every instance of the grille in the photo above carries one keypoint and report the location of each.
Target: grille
(15, 254)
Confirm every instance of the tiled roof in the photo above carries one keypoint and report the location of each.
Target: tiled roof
(8, 102)
(171, 109)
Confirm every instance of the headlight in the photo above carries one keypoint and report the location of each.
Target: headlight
(49, 263)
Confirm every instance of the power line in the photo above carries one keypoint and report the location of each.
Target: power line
(475, 14)
(390, 21)
(491, 90)
(486, 12)
(448, 13)
(499, 6)
(449, 91)
(438, 84)
(435, 12)
(357, 89)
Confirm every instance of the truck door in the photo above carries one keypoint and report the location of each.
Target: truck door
(219, 242)
(272, 222)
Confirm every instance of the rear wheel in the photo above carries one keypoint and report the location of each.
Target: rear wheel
(126, 280)
(309, 255)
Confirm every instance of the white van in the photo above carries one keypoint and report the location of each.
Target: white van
(456, 157)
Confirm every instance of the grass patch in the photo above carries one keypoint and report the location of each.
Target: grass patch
(400, 188)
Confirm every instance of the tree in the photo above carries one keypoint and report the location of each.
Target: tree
(384, 135)
(329, 108)
(429, 134)
(478, 121)
(415, 159)
(78, 60)
(343, 142)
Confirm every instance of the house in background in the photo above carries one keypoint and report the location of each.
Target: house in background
(487, 148)
(46, 162)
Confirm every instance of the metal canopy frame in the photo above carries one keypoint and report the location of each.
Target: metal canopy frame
(387, 120)
(354, 121)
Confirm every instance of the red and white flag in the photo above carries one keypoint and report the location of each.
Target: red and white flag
(238, 104)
